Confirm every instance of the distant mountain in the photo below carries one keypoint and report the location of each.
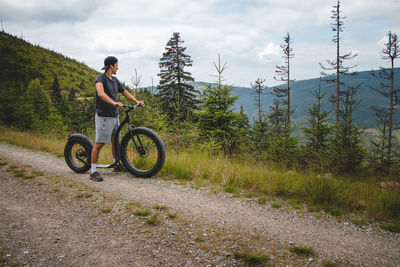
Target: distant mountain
(302, 99)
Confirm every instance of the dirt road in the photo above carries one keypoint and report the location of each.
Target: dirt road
(208, 231)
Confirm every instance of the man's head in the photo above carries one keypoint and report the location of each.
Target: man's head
(111, 63)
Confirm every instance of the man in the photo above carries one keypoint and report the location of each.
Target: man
(107, 88)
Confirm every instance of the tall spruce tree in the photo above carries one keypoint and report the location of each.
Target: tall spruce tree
(176, 95)
(217, 120)
(283, 74)
(386, 114)
(259, 90)
(347, 151)
(318, 129)
(337, 65)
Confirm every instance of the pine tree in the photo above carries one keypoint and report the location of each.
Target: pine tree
(318, 130)
(217, 120)
(337, 65)
(386, 114)
(259, 90)
(283, 72)
(55, 92)
(347, 152)
(176, 95)
(260, 135)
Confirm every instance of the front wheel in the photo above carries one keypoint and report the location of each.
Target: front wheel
(142, 152)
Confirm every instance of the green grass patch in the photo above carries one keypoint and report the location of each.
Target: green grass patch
(385, 205)
(303, 251)
(199, 239)
(84, 195)
(330, 264)
(262, 200)
(230, 188)
(276, 205)
(178, 170)
(323, 191)
(38, 173)
(160, 207)
(153, 220)
(143, 213)
(3, 164)
(296, 203)
(359, 221)
(12, 168)
(106, 210)
(252, 258)
(392, 226)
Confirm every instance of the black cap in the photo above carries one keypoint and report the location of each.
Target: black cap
(109, 61)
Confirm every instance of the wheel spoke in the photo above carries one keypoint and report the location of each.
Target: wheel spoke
(139, 154)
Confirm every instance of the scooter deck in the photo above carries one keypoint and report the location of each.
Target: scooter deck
(106, 165)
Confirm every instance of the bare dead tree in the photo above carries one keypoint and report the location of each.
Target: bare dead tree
(259, 90)
(136, 80)
(220, 69)
(283, 73)
(337, 65)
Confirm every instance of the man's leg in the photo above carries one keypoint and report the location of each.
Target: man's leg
(94, 175)
(113, 148)
(95, 152)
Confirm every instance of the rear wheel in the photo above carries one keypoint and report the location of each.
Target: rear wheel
(142, 152)
(77, 154)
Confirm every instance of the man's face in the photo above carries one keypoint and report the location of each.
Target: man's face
(114, 68)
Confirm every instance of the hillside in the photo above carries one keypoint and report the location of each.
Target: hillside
(23, 62)
(302, 99)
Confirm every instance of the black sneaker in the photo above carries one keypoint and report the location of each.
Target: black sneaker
(119, 168)
(96, 177)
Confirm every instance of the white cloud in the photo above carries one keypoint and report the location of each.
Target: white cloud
(247, 34)
(271, 50)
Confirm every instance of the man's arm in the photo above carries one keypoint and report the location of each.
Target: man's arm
(104, 96)
(132, 98)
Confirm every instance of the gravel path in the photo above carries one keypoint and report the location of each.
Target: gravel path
(343, 242)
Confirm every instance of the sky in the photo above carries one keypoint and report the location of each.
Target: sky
(247, 34)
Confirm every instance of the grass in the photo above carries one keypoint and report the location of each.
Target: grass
(276, 205)
(262, 200)
(336, 195)
(132, 204)
(303, 251)
(392, 226)
(106, 210)
(142, 213)
(330, 264)
(252, 258)
(199, 239)
(153, 220)
(84, 195)
(160, 207)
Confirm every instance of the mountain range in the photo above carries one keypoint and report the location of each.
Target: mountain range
(302, 99)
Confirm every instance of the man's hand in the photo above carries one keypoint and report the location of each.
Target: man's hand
(140, 102)
(119, 105)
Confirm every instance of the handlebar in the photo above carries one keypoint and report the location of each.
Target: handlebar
(129, 108)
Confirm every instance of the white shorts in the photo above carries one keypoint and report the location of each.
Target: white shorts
(104, 128)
